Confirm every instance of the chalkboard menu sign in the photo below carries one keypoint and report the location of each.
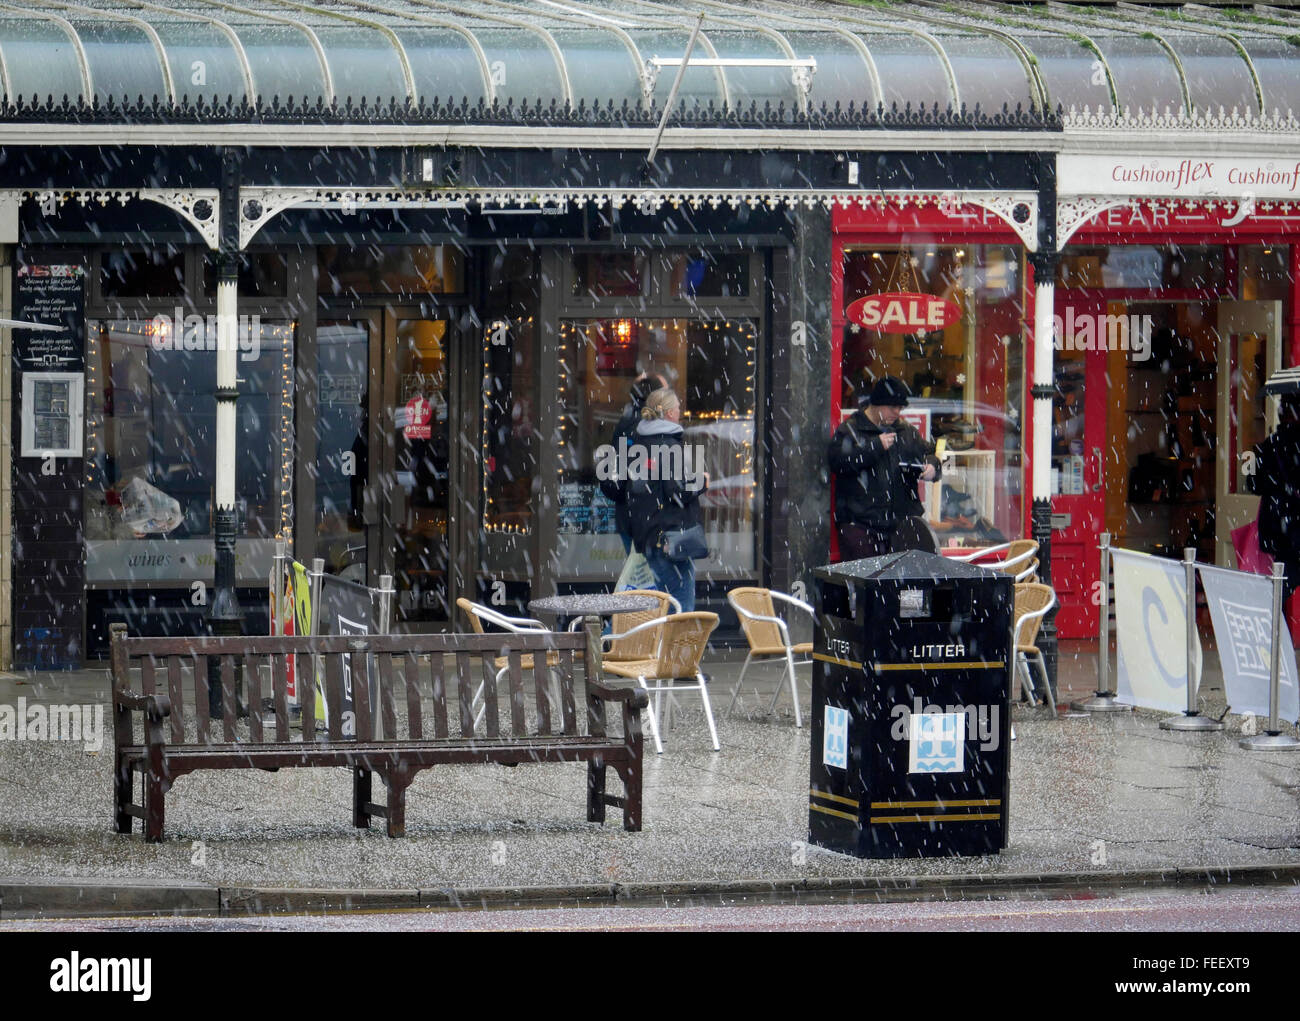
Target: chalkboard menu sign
(49, 573)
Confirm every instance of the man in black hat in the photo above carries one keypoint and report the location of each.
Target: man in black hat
(878, 459)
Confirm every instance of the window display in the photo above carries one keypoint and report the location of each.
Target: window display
(151, 439)
(947, 321)
(712, 368)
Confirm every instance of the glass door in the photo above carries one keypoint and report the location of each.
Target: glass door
(1249, 352)
(1078, 470)
(416, 427)
(385, 419)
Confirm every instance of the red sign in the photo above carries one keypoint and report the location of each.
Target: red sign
(419, 413)
(903, 312)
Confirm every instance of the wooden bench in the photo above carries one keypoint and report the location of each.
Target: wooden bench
(162, 730)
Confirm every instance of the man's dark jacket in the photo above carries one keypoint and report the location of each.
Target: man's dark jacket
(1278, 484)
(873, 488)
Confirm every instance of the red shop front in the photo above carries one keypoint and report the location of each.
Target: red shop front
(1169, 315)
(948, 296)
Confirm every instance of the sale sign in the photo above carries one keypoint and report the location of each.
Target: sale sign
(903, 312)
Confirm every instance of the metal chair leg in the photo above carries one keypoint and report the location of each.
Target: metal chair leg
(708, 711)
(1048, 697)
(735, 692)
(1026, 682)
(794, 687)
(654, 719)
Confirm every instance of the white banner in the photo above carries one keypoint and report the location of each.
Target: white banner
(1151, 631)
(1241, 606)
(1178, 176)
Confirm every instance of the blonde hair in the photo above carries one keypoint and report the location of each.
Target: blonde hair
(658, 404)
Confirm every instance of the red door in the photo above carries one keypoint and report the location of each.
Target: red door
(1078, 447)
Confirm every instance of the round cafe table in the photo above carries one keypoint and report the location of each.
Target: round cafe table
(591, 607)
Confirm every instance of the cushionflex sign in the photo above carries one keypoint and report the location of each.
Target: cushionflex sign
(1151, 631)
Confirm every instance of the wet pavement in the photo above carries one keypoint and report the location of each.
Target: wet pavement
(1088, 794)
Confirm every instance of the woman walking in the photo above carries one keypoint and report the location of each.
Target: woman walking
(663, 492)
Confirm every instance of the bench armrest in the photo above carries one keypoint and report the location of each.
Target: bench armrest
(635, 697)
(156, 707)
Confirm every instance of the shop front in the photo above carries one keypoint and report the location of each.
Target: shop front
(936, 294)
(1175, 299)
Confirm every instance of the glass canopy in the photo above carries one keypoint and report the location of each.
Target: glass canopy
(806, 56)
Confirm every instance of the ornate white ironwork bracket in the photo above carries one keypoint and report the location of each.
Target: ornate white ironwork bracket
(258, 206)
(1019, 210)
(1073, 213)
(199, 206)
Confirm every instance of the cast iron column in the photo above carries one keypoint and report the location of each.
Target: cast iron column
(226, 618)
(1044, 262)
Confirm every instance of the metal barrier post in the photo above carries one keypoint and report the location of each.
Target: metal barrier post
(1192, 718)
(1103, 700)
(308, 690)
(1273, 739)
(277, 588)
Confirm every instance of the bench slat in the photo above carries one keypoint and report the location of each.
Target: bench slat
(517, 725)
(360, 662)
(540, 681)
(334, 696)
(465, 693)
(177, 694)
(147, 683)
(202, 701)
(437, 669)
(228, 711)
(280, 695)
(254, 675)
(566, 692)
(387, 711)
(414, 718)
(491, 710)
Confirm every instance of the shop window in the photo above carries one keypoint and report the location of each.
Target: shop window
(709, 275)
(1143, 267)
(389, 269)
(142, 273)
(1264, 272)
(948, 322)
(711, 365)
(609, 275)
(510, 413)
(342, 445)
(261, 275)
(151, 430)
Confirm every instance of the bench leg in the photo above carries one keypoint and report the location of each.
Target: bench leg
(361, 787)
(631, 776)
(398, 781)
(596, 790)
(153, 808)
(123, 788)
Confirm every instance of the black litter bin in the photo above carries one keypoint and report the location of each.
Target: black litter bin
(911, 721)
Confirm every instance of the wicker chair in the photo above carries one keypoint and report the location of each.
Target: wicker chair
(680, 641)
(477, 614)
(621, 649)
(769, 637)
(1033, 601)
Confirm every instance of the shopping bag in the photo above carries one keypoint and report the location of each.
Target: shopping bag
(636, 574)
(1245, 541)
